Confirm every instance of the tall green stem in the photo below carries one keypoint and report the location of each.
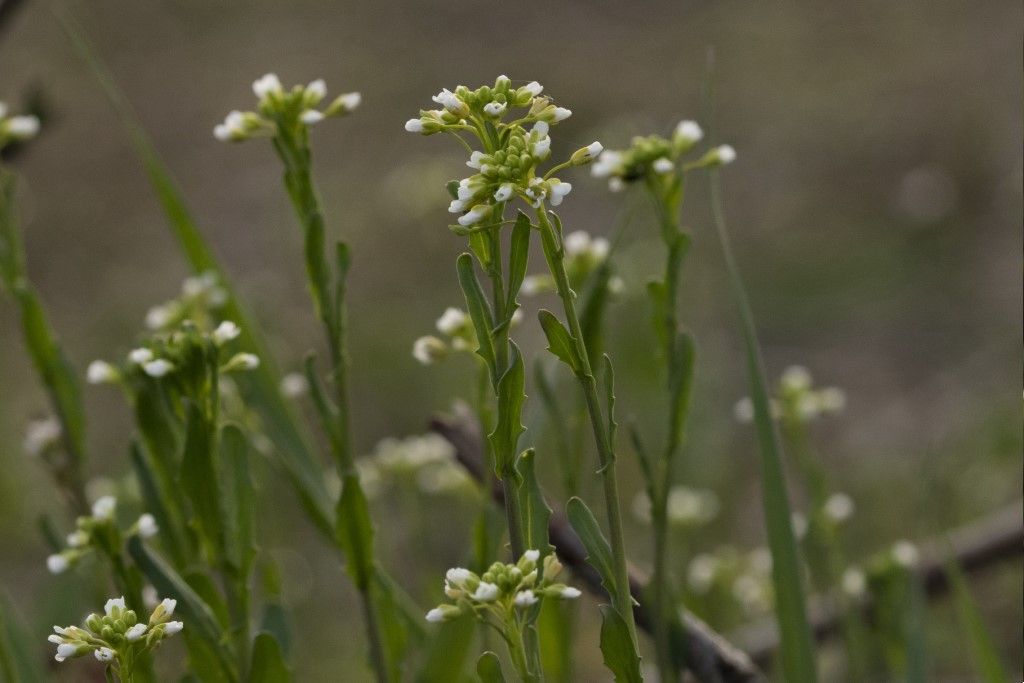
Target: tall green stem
(605, 449)
(330, 307)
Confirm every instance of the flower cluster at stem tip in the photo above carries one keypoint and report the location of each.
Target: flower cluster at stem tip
(16, 128)
(798, 400)
(98, 532)
(502, 590)
(506, 167)
(653, 157)
(116, 637)
(281, 110)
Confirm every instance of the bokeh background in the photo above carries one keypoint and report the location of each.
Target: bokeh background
(876, 210)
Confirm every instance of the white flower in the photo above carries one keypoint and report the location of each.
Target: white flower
(495, 108)
(172, 627)
(428, 349)
(113, 603)
(503, 193)
(311, 117)
(576, 243)
(350, 101)
(65, 650)
(225, 332)
(135, 632)
(541, 148)
(105, 654)
(561, 114)
(607, 163)
(599, 248)
(475, 159)
(167, 606)
(294, 384)
(414, 126)
(796, 378)
(569, 593)
(451, 321)
(101, 372)
(160, 316)
(435, 615)
(726, 154)
(457, 576)
(450, 101)
(140, 356)
(157, 368)
(267, 85)
(104, 507)
(233, 127)
(77, 539)
(906, 554)
(40, 435)
(854, 583)
(316, 90)
(534, 88)
(558, 192)
(616, 184)
(147, 526)
(57, 564)
(531, 555)
(486, 592)
(744, 410)
(474, 215)
(22, 127)
(149, 596)
(839, 507)
(245, 361)
(688, 132)
(663, 165)
(525, 599)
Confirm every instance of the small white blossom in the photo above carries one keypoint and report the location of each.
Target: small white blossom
(561, 114)
(457, 576)
(350, 101)
(57, 564)
(140, 356)
(839, 507)
(311, 117)
(744, 410)
(316, 90)
(104, 507)
(451, 321)
(40, 435)
(245, 361)
(569, 593)
(65, 650)
(294, 384)
(854, 583)
(113, 604)
(486, 592)
(663, 165)
(147, 526)
(172, 627)
(135, 632)
(906, 554)
(77, 539)
(503, 193)
(157, 368)
(495, 108)
(531, 555)
(559, 190)
(726, 154)
(267, 85)
(435, 616)
(105, 654)
(225, 332)
(688, 132)
(534, 88)
(525, 598)
(701, 572)
(428, 349)
(474, 215)
(101, 372)
(22, 127)
(414, 126)
(167, 606)
(616, 184)
(150, 598)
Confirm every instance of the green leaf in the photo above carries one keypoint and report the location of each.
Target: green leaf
(595, 303)
(17, 663)
(511, 395)
(260, 386)
(518, 259)
(199, 478)
(479, 310)
(535, 511)
(488, 668)
(599, 552)
(274, 621)
(796, 645)
(268, 664)
(354, 531)
(197, 614)
(680, 383)
(617, 647)
(447, 652)
(560, 342)
(237, 503)
(982, 648)
(159, 505)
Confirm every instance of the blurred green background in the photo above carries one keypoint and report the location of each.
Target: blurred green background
(876, 209)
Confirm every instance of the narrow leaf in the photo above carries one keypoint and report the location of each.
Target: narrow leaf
(17, 661)
(518, 259)
(159, 505)
(488, 668)
(199, 478)
(535, 511)
(599, 552)
(236, 499)
(268, 664)
(355, 531)
(983, 650)
(511, 395)
(560, 342)
(479, 310)
(617, 647)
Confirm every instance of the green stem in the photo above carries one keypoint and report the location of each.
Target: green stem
(517, 653)
(330, 307)
(605, 449)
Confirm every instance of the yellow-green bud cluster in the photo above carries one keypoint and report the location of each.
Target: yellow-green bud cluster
(117, 636)
(503, 589)
(284, 111)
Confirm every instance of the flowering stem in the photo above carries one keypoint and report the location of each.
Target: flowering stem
(330, 307)
(517, 652)
(606, 453)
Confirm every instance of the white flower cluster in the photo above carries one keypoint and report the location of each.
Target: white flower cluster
(429, 459)
(200, 294)
(281, 111)
(96, 531)
(116, 637)
(797, 400)
(654, 156)
(41, 435)
(583, 254)
(507, 166)
(685, 506)
(743, 577)
(16, 128)
(502, 590)
(459, 335)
